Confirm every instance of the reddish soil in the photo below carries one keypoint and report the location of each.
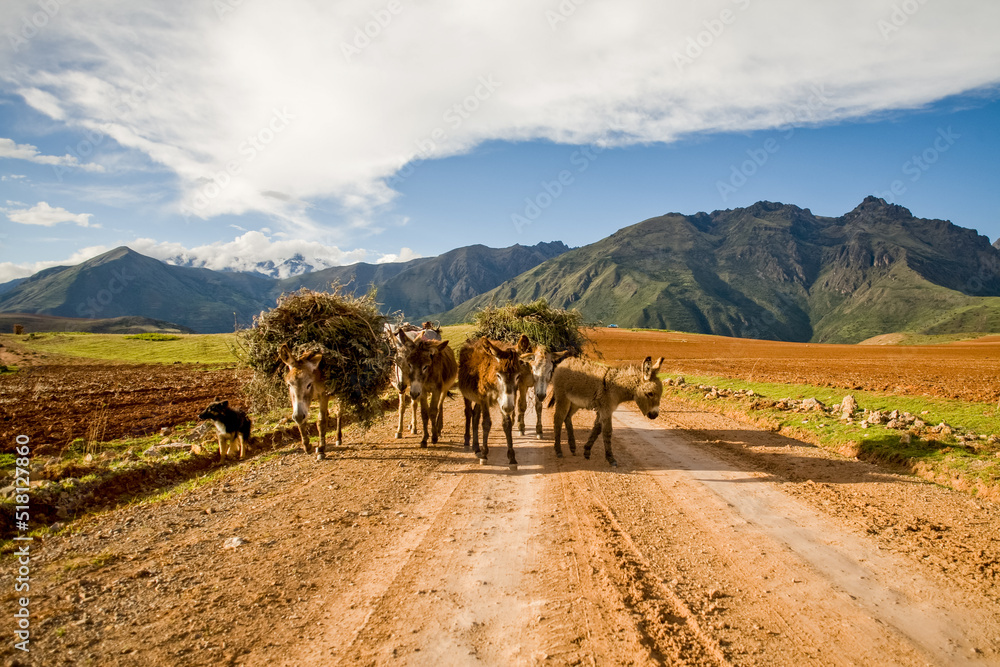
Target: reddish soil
(55, 404)
(968, 371)
(713, 543)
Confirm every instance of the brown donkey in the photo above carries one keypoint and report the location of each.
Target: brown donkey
(305, 382)
(432, 371)
(488, 373)
(537, 365)
(584, 384)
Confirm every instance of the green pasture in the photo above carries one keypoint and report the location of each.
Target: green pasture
(210, 349)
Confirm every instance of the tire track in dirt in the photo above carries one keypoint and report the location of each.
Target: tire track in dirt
(837, 579)
(511, 568)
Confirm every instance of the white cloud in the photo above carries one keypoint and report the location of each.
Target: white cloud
(253, 251)
(10, 149)
(48, 216)
(404, 255)
(295, 99)
(11, 271)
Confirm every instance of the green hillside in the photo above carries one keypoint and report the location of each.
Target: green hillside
(775, 271)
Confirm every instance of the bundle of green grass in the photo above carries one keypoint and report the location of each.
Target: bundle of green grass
(557, 329)
(348, 330)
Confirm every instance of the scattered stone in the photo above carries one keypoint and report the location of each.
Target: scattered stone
(905, 438)
(233, 543)
(896, 423)
(847, 407)
(876, 417)
(812, 404)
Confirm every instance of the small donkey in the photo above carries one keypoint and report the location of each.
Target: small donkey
(585, 384)
(306, 383)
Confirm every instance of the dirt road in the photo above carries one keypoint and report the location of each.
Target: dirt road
(712, 543)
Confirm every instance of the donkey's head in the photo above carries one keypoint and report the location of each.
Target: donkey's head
(419, 357)
(400, 369)
(649, 390)
(543, 364)
(507, 371)
(303, 379)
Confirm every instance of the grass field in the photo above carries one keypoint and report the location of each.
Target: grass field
(211, 349)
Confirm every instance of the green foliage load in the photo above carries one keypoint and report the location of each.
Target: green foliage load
(557, 329)
(348, 330)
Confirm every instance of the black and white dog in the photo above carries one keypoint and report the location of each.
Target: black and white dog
(230, 424)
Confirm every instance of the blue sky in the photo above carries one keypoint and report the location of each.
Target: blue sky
(229, 133)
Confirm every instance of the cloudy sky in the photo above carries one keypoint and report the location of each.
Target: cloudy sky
(228, 132)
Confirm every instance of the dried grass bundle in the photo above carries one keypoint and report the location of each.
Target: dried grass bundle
(348, 330)
(557, 329)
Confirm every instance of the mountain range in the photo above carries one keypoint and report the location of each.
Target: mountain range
(122, 282)
(769, 270)
(775, 271)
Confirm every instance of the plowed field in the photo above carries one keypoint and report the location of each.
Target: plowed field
(967, 370)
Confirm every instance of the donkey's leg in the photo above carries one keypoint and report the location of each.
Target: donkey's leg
(570, 434)
(304, 435)
(538, 418)
(561, 410)
(607, 442)
(484, 454)
(424, 416)
(413, 418)
(436, 407)
(508, 431)
(321, 424)
(402, 413)
(592, 438)
(477, 413)
(522, 406)
(468, 419)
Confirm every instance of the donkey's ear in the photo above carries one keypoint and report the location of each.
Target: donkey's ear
(285, 355)
(225, 404)
(656, 366)
(527, 357)
(312, 360)
(523, 344)
(559, 356)
(647, 366)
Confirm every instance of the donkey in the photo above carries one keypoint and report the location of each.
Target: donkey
(585, 384)
(488, 373)
(401, 371)
(536, 372)
(305, 382)
(432, 371)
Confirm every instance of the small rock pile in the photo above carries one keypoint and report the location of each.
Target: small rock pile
(849, 412)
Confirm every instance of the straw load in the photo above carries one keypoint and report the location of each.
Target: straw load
(348, 330)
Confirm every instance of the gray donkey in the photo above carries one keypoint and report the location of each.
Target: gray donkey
(585, 384)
